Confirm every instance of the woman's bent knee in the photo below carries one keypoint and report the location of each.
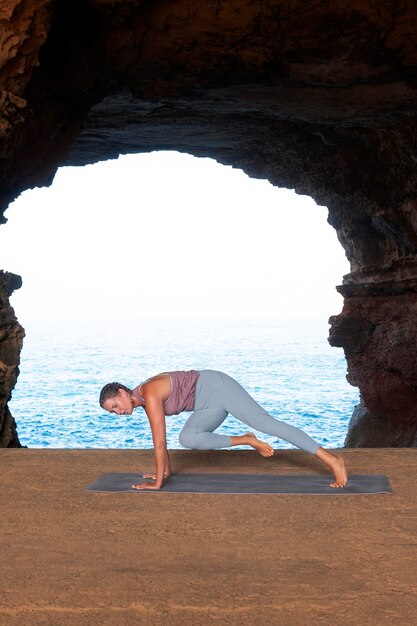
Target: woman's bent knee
(187, 439)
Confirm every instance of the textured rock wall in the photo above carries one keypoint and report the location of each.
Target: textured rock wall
(320, 97)
(24, 27)
(11, 341)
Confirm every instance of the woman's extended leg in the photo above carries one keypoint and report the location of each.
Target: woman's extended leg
(237, 401)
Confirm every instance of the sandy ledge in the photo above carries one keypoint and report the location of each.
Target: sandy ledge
(71, 557)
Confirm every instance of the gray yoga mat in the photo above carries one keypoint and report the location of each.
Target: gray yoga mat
(246, 483)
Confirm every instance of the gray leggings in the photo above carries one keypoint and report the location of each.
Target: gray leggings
(218, 394)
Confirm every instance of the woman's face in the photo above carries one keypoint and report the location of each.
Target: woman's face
(121, 404)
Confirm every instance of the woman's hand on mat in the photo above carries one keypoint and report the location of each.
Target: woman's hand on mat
(153, 475)
(153, 485)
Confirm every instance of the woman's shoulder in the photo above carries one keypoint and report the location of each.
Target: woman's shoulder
(158, 385)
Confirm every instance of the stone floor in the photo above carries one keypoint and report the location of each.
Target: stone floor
(70, 557)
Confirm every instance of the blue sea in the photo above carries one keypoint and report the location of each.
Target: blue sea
(286, 365)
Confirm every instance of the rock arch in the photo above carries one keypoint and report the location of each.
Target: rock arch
(315, 97)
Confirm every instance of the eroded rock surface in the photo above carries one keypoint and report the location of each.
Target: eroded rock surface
(320, 97)
(11, 341)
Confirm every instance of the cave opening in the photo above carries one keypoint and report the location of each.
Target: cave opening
(258, 87)
(163, 261)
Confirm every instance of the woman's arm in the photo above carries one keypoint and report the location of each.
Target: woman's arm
(167, 472)
(154, 408)
(167, 465)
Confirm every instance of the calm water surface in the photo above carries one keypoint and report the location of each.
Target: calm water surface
(287, 366)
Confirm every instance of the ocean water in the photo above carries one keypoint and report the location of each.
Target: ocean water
(287, 366)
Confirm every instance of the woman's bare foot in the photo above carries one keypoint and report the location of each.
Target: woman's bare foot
(336, 464)
(249, 439)
(339, 472)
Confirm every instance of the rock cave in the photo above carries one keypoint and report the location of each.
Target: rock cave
(316, 97)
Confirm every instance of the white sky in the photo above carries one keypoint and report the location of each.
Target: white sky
(167, 234)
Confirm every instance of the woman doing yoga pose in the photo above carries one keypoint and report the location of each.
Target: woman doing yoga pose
(211, 395)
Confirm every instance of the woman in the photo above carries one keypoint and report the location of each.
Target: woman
(211, 395)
